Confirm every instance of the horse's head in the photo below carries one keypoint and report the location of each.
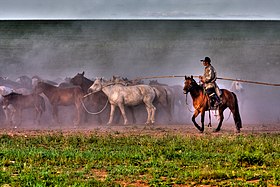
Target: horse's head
(78, 79)
(189, 84)
(39, 87)
(96, 86)
(153, 82)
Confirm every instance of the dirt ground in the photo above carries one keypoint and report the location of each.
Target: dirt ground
(137, 129)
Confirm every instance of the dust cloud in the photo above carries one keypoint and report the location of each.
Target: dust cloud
(246, 50)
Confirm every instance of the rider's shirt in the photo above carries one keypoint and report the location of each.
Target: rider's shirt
(209, 77)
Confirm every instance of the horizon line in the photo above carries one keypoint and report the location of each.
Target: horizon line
(137, 19)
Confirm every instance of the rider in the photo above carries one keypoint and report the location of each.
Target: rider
(209, 82)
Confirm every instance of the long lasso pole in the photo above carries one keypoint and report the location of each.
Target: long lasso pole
(220, 78)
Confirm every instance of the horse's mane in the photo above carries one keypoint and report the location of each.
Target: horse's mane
(36, 77)
(12, 94)
(47, 84)
(87, 79)
(196, 85)
(155, 82)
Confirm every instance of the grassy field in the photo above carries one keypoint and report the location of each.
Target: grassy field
(140, 160)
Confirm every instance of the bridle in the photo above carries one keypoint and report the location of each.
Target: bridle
(102, 86)
(190, 88)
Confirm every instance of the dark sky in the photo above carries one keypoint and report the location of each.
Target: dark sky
(143, 9)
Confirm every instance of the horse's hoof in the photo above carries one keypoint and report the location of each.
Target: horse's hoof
(237, 131)
(216, 130)
(201, 130)
(209, 125)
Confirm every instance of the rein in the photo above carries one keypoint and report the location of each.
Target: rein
(93, 113)
(188, 104)
(98, 90)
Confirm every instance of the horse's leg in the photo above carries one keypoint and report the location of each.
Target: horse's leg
(196, 113)
(86, 116)
(168, 110)
(221, 113)
(36, 110)
(209, 124)
(40, 112)
(131, 108)
(149, 114)
(20, 117)
(6, 112)
(121, 107)
(12, 115)
(153, 112)
(151, 109)
(202, 120)
(78, 117)
(55, 114)
(113, 108)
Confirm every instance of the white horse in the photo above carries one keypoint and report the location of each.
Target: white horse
(238, 88)
(121, 95)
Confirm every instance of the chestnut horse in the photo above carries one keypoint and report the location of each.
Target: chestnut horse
(201, 104)
(61, 97)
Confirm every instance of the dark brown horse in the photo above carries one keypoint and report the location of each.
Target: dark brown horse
(164, 98)
(61, 97)
(94, 102)
(20, 102)
(201, 104)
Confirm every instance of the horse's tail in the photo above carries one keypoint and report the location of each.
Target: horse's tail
(170, 100)
(156, 94)
(168, 103)
(237, 117)
(166, 97)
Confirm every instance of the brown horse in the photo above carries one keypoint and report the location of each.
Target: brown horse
(61, 97)
(94, 102)
(201, 104)
(20, 102)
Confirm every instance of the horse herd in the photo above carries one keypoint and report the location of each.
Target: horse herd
(26, 93)
(133, 98)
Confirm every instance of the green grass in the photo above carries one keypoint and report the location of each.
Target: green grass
(117, 160)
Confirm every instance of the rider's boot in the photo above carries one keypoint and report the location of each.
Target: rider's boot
(217, 100)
